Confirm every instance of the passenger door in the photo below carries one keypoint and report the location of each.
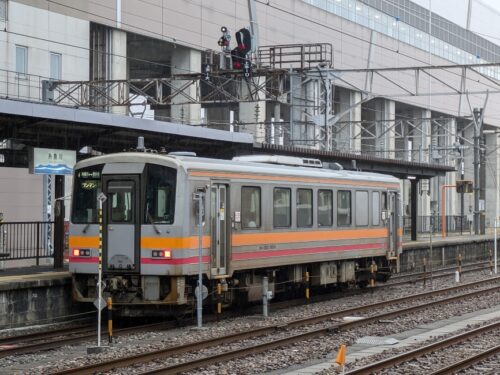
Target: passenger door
(121, 224)
(393, 223)
(220, 230)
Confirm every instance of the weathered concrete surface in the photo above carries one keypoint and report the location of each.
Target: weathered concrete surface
(445, 251)
(35, 299)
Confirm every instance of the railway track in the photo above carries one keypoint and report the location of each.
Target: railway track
(42, 335)
(39, 341)
(439, 345)
(83, 333)
(279, 342)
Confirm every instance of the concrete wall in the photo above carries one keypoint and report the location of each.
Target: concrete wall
(44, 31)
(35, 300)
(445, 253)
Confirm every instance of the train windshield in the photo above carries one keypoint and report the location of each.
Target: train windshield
(160, 195)
(87, 187)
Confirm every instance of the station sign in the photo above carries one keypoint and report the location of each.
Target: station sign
(52, 161)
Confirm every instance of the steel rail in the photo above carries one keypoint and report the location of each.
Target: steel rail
(468, 362)
(12, 349)
(419, 352)
(163, 353)
(12, 340)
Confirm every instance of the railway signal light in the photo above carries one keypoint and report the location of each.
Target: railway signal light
(464, 186)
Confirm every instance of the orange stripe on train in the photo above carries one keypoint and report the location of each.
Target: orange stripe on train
(173, 242)
(243, 239)
(82, 241)
(291, 179)
(310, 236)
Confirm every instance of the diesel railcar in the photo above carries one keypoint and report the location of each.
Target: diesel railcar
(268, 216)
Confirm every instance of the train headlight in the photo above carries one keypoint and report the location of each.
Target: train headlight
(165, 254)
(81, 252)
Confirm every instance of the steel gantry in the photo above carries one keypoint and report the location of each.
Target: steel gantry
(299, 81)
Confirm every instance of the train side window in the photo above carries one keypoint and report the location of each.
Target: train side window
(325, 208)
(304, 208)
(362, 208)
(375, 208)
(282, 217)
(250, 207)
(343, 207)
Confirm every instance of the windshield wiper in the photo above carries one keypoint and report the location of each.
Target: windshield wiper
(150, 218)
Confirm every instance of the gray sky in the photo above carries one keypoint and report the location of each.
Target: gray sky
(485, 15)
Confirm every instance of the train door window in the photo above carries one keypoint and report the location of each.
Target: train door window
(121, 201)
(343, 207)
(325, 208)
(375, 208)
(250, 207)
(362, 208)
(384, 201)
(304, 208)
(282, 217)
(160, 195)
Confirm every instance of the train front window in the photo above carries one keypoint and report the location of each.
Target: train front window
(160, 195)
(87, 186)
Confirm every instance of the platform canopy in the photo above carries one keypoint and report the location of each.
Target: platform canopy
(24, 125)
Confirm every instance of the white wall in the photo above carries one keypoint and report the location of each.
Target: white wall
(20, 194)
(42, 31)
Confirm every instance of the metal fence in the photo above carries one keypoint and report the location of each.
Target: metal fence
(453, 224)
(25, 240)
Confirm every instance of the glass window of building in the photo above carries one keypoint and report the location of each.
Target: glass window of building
(21, 60)
(3, 10)
(250, 207)
(55, 66)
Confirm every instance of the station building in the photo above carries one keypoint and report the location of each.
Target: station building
(317, 82)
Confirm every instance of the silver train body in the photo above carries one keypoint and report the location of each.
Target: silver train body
(259, 219)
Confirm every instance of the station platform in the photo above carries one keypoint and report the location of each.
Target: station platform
(424, 240)
(34, 295)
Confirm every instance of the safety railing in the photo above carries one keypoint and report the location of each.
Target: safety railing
(453, 223)
(297, 55)
(26, 240)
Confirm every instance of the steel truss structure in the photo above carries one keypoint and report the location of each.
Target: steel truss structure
(305, 91)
